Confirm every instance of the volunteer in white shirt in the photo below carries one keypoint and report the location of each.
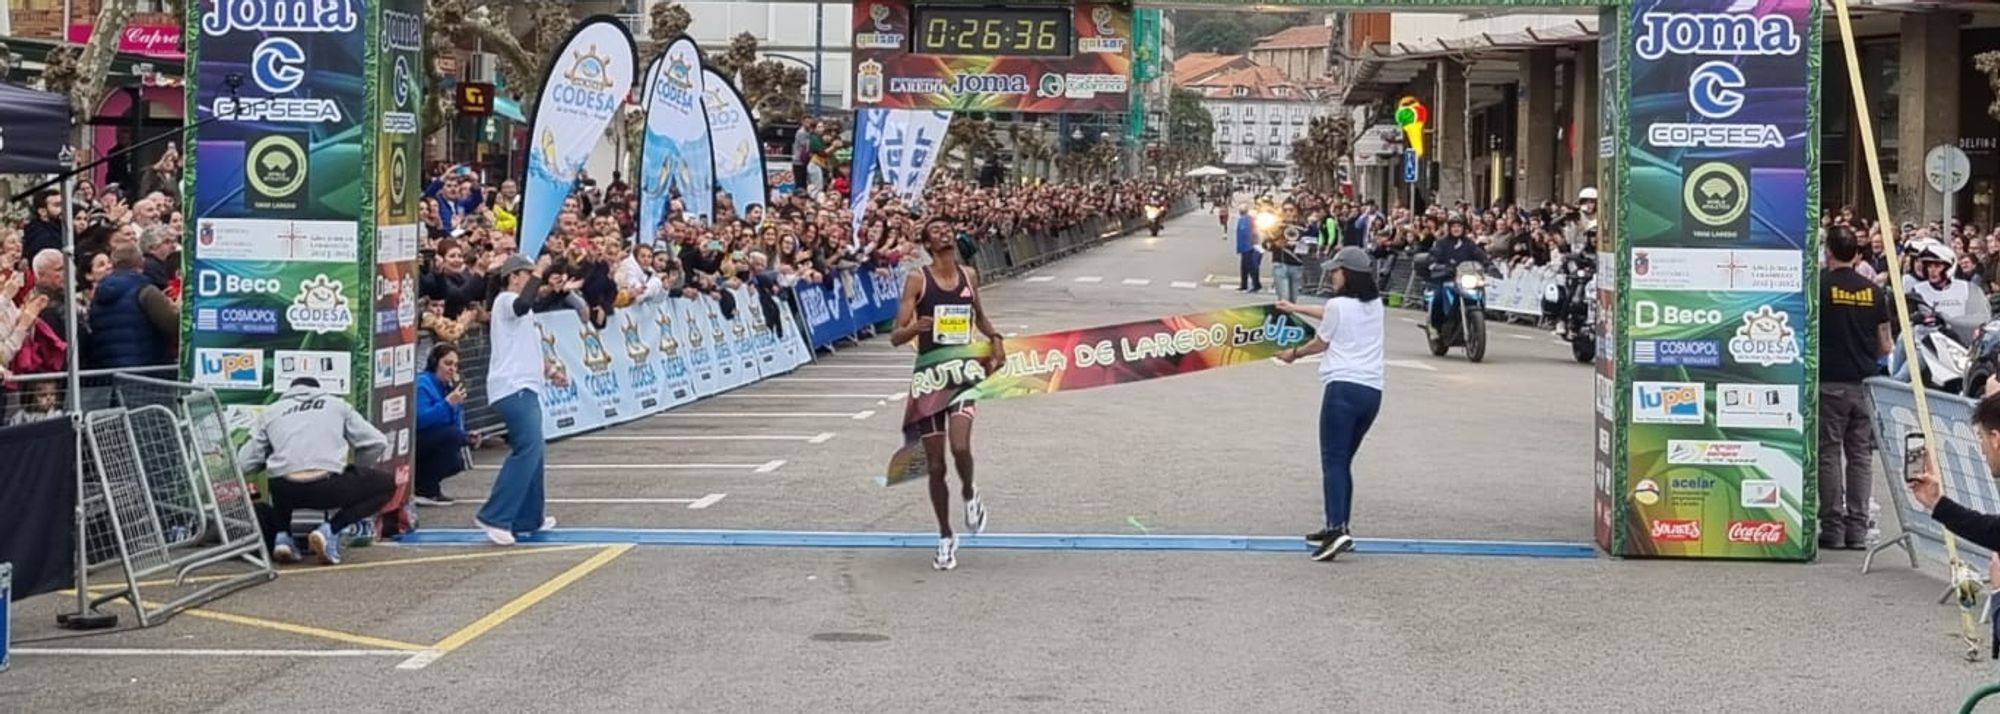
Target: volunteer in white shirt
(1350, 369)
(514, 379)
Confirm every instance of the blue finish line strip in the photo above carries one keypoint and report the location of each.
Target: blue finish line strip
(1009, 541)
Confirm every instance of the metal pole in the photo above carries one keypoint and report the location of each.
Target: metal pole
(819, 53)
(74, 399)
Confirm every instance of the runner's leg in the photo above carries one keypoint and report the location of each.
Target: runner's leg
(934, 446)
(961, 449)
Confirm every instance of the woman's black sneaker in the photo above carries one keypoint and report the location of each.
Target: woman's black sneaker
(1336, 542)
(1317, 538)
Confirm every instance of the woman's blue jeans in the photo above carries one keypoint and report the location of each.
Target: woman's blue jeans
(1346, 410)
(517, 499)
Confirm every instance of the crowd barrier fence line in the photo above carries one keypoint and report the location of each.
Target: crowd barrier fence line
(662, 353)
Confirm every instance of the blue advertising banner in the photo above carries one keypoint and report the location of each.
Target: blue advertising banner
(586, 83)
(693, 321)
(868, 123)
(1717, 217)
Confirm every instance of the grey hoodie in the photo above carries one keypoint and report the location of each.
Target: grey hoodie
(310, 430)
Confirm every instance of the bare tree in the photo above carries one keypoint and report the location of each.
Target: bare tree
(665, 21)
(81, 72)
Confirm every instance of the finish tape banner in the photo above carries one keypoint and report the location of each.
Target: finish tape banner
(656, 355)
(1090, 357)
(585, 84)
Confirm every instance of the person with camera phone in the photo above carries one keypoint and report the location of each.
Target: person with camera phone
(1921, 475)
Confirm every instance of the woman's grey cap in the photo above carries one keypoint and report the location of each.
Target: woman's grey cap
(1350, 257)
(515, 262)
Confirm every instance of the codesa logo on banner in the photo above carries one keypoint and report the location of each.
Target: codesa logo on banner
(1765, 339)
(1669, 402)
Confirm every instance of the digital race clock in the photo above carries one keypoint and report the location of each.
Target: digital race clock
(1016, 31)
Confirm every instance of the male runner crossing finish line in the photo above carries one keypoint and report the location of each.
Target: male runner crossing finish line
(939, 309)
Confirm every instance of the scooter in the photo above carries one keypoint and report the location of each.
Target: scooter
(1457, 308)
(1942, 357)
(1573, 304)
(1153, 213)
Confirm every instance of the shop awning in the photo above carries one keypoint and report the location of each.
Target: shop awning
(509, 108)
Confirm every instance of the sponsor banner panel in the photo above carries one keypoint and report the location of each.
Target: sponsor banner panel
(1718, 358)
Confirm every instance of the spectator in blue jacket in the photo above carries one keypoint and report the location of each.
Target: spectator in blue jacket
(458, 195)
(1250, 279)
(132, 323)
(441, 437)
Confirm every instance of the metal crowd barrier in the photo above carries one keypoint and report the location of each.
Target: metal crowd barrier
(160, 492)
(1963, 469)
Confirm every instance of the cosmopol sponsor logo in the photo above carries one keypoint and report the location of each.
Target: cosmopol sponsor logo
(1684, 353)
(237, 320)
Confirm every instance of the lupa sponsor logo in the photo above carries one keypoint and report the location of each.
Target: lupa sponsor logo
(1671, 530)
(1759, 532)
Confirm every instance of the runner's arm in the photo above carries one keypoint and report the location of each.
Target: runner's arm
(979, 309)
(906, 310)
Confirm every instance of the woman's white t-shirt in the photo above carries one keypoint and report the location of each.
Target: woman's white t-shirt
(1352, 330)
(516, 358)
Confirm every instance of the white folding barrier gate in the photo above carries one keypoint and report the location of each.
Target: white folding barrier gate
(161, 493)
(1963, 471)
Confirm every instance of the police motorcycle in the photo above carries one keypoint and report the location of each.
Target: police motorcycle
(1940, 319)
(1156, 211)
(1573, 304)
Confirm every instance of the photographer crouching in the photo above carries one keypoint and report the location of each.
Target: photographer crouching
(303, 439)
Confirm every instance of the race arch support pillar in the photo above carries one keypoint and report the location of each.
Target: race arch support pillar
(1708, 245)
(303, 198)
(1535, 129)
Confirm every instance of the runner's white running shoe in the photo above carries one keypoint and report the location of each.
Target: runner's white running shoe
(947, 554)
(975, 515)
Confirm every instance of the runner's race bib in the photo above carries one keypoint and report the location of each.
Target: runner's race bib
(951, 325)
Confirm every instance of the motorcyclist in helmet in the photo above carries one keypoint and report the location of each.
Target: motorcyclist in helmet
(1956, 301)
(1454, 247)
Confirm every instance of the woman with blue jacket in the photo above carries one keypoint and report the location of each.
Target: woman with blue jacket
(441, 437)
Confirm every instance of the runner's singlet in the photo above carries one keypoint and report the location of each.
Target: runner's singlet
(950, 312)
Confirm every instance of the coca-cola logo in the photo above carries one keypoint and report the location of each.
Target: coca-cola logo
(1761, 532)
(1678, 530)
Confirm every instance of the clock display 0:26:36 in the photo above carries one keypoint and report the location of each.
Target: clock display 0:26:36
(1035, 32)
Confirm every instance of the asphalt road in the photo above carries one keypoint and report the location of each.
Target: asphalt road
(1498, 451)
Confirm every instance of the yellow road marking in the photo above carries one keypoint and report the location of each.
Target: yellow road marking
(322, 633)
(315, 569)
(526, 600)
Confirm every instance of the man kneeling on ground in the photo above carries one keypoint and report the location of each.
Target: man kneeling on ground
(303, 439)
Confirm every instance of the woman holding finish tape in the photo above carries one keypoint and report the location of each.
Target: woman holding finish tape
(1350, 345)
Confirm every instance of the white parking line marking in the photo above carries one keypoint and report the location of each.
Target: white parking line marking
(694, 503)
(755, 415)
(1090, 279)
(1410, 320)
(1136, 281)
(858, 416)
(1185, 285)
(1039, 279)
(421, 660)
(137, 652)
(1521, 337)
(841, 379)
(770, 466)
(1409, 364)
(819, 438)
(642, 467)
(797, 396)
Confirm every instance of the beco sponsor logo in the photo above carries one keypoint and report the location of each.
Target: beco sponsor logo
(211, 283)
(1759, 532)
(1649, 314)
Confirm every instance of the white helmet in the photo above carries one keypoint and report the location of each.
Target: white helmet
(1589, 193)
(1927, 249)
